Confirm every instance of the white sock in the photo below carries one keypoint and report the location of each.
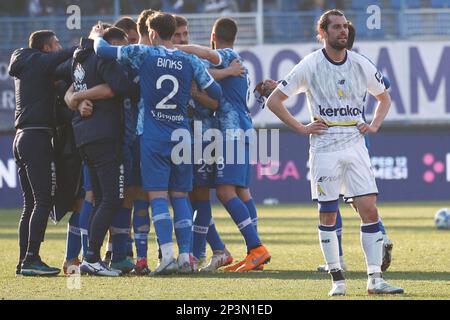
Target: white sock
(167, 251)
(372, 244)
(330, 249)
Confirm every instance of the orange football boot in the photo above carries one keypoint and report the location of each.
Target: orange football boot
(254, 259)
(234, 267)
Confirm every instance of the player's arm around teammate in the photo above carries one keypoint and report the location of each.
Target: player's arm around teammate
(232, 179)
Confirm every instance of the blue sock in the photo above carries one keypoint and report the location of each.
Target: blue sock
(339, 232)
(251, 206)
(120, 230)
(183, 223)
(85, 213)
(383, 231)
(129, 243)
(201, 226)
(141, 227)
(73, 237)
(191, 208)
(162, 220)
(194, 209)
(213, 238)
(241, 217)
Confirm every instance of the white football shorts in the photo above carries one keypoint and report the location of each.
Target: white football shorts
(346, 172)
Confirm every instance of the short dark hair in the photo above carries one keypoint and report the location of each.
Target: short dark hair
(181, 21)
(114, 33)
(324, 21)
(106, 25)
(163, 23)
(351, 35)
(126, 24)
(142, 21)
(39, 39)
(226, 30)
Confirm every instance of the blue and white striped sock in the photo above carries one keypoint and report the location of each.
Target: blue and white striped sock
(201, 227)
(120, 231)
(85, 213)
(183, 223)
(73, 237)
(241, 217)
(141, 227)
(162, 222)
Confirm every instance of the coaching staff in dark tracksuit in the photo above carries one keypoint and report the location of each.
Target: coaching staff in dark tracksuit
(100, 138)
(35, 120)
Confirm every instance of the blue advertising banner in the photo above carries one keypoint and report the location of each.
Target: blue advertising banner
(419, 74)
(7, 95)
(10, 192)
(409, 166)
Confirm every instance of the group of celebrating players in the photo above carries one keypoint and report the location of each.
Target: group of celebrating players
(131, 86)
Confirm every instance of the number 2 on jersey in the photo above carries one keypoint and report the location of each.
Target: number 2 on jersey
(176, 86)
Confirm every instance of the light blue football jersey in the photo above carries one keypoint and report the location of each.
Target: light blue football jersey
(165, 78)
(233, 112)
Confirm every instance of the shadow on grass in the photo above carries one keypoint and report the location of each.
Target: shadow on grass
(314, 275)
(229, 238)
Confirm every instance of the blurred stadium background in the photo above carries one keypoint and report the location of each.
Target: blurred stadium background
(411, 156)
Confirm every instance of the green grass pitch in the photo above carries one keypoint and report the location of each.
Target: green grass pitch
(421, 261)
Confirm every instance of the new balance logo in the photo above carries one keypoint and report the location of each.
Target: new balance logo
(381, 239)
(343, 112)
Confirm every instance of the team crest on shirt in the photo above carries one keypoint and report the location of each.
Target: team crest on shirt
(340, 91)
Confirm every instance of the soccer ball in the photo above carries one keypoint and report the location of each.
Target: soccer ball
(442, 219)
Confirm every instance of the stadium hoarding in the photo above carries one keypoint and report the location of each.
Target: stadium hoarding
(419, 73)
(7, 97)
(408, 165)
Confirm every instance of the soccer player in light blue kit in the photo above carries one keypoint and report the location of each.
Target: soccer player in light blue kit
(232, 179)
(166, 75)
(203, 111)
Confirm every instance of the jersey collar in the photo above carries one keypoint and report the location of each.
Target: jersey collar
(334, 62)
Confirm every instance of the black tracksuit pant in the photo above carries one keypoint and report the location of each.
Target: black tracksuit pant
(107, 177)
(33, 152)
